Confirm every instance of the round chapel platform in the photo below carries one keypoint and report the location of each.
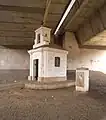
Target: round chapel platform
(49, 85)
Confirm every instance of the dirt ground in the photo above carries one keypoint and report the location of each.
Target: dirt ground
(61, 104)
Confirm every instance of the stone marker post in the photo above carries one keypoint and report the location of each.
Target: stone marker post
(82, 79)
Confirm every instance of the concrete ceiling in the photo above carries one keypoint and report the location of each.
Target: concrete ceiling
(99, 39)
(80, 12)
(54, 13)
(19, 18)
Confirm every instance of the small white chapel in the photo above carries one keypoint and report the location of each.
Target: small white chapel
(47, 63)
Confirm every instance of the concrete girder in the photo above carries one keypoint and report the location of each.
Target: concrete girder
(24, 3)
(5, 26)
(92, 31)
(16, 41)
(26, 47)
(48, 3)
(22, 9)
(55, 12)
(19, 17)
(16, 34)
(89, 7)
(99, 39)
(60, 1)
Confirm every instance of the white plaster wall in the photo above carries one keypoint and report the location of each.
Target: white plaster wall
(91, 58)
(37, 55)
(53, 71)
(46, 65)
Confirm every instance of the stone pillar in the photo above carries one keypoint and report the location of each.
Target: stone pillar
(82, 79)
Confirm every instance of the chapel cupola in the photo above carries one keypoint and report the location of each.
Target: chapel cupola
(42, 37)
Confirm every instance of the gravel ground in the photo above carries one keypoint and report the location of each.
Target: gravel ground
(61, 104)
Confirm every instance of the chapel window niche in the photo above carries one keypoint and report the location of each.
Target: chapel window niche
(38, 38)
(57, 61)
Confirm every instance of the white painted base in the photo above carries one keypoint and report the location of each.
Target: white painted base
(31, 78)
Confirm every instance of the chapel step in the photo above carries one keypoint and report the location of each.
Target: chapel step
(52, 85)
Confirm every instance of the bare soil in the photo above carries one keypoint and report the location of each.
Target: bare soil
(60, 104)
